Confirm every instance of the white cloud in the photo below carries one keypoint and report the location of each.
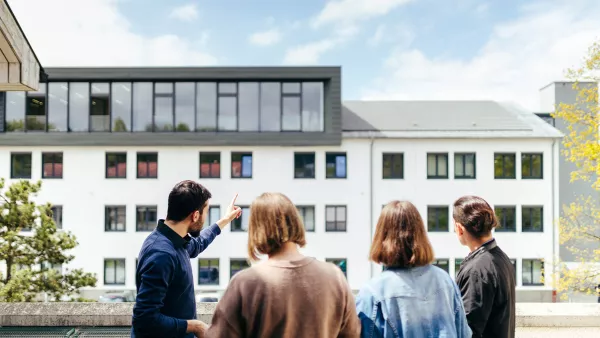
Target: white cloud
(186, 13)
(377, 36)
(349, 12)
(265, 38)
(520, 57)
(308, 54)
(73, 37)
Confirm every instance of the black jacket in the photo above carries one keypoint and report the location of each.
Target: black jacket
(486, 279)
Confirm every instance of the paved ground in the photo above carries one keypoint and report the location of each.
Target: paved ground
(550, 332)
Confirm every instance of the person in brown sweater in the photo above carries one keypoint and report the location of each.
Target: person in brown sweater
(287, 295)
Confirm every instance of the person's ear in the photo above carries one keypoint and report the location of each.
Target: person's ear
(196, 216)
(460, 229)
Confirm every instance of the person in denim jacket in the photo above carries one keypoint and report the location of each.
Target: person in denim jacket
(411, 298)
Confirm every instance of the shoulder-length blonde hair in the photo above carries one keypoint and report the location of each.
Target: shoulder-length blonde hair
(274, 220)
(400, 238)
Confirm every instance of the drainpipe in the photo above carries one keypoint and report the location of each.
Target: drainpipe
(555, 225)
(371, 181)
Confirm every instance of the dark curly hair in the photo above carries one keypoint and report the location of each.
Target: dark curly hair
(475, 214)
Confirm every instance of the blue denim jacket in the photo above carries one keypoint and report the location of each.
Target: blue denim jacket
(417, 302)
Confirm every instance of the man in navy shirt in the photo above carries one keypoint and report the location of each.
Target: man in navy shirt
(165, 306)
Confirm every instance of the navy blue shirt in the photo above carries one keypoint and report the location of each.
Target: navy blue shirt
(165, 283)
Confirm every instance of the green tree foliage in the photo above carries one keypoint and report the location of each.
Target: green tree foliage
(120, 125)
(29, 255)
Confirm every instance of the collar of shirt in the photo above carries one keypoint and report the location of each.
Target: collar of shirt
(178, 241)
(484, 247)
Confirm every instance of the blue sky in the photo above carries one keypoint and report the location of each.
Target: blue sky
(502, 50)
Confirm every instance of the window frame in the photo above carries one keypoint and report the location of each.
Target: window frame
(304, 163)
(529, 157)
(464, 166)
(240, 219)
(532, 208)
(106, 166)
(218, 267)
(393, 175)
(115, 260)
(302, 212)
(335, 221)
(335, 155)
(500, 220)
(208, 220)
(36, 94)
(137, 163)
(57, 216)
(12, 171)
(242, 154)
(504, 156)
(436, 209)
(106, 217)
(437, 176)
(237, 260)
(147, 209)
(542, 274)
(209, 153)
(54, 155)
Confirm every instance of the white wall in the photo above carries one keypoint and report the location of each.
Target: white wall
(83, 192)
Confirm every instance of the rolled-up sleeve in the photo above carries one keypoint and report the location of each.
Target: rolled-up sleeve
(199, 244)
(156, 276)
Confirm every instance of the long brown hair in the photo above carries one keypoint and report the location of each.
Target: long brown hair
(400, 237)
(274, 220)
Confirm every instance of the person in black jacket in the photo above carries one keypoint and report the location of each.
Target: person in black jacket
(486, 277)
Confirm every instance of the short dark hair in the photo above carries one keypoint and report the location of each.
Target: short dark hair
(185, 198)
(475, 214)
(400, 239)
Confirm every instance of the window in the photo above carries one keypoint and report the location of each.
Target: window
(312, 106)
(58, 104)
(208, 271)
(210, 165)
(15, 111)
(241, 223)
(304, 165)
(57, 212)
(146, 218)
(335, 165)
(464, 165)
(147, 165)
(506, 219)
(270, 106)
(184, 106)
(533, 272)
(50, 266)
(100, 108)
(249, 106)
(437, 165)
(20, 165)
(532, 166)
(393, 165)
(116, 165)
(79, 106)
(36, 109)
(335, 218)
(114, 271)
(206, 106)
(547, 118)
(227, 106)
(291, 105)
(237, 265)
(504, 166)
(437, 219)
(532, 219)
(121, 97)
(214, 214)
(52, 165)
(241, 165)
(443, 264)
(114, 218)
(457, 263)
(307, 214)
(143, 104)
(341, 263)
(163, 106)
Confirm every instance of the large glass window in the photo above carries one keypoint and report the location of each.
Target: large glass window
(437, 165)
(142, 106)
(208, 271)
(335, 165)
(100, 107)
(184, 106)
(20, 165)
(241, 165)
(15, 111)
(532, 165)
(147, 165)
(507, 220)
(114, 272)
(393, 165)
(249, 106)
(270, 106)
(36, 109)
(58, 105)
(304, 165)
(307, 214)
(206, 106)
(114, 218)
(79, 106)
(214, 214)
(52, 165)
(464, 165)
(227, 112)
(116, 165)
(163, 106)
(121, 106)
(291, 103)
(532, 219)
(437, 219)
(312, 106)
(532, 272)
(146, 218)
(210, 165)
(504, 166)
(335, 218)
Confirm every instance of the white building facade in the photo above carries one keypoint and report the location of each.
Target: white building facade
(110, 195)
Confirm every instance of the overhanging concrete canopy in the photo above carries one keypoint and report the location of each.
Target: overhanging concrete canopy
(19, 67)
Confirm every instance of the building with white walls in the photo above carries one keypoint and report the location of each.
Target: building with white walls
(109, 144)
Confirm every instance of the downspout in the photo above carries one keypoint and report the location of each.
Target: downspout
(555, 225)
(371, 183)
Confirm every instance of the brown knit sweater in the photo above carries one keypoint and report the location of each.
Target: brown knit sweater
(296, 299)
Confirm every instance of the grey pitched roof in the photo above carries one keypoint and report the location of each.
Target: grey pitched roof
(442, 119)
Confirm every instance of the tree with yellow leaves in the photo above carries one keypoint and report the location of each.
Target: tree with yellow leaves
(580, 221)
